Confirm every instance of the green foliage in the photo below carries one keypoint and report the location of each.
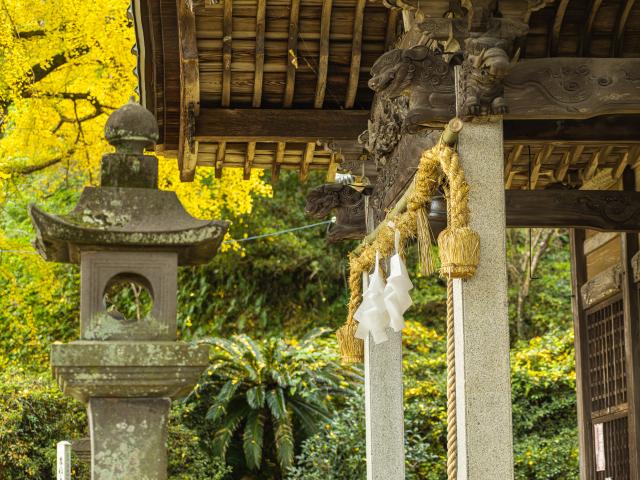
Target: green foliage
(263, 398)
(544, 407)
(543, 413)
(187, 459)
(34, 416)
(287, 284)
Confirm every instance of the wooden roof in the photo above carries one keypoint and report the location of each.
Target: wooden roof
(272, 80)
(267, 54)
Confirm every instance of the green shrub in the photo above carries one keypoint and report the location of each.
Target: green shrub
(545, 433)
(35, 415)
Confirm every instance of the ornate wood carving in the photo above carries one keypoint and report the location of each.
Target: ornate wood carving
(546, 88)
(602, 286)
(487, 61)
(573, 87)
(424, 76)
(348, 204)
(384, 128)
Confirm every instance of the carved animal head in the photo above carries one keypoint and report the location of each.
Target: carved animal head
(396, 71)
(324, 198)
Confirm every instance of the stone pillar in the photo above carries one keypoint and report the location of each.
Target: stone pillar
(128, 437)
(384, 408)
(483, 383)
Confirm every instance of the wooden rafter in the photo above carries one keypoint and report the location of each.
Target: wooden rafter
(621, 164)
(554, 39)
(259, 62)
(621, 22)
(514, 154)
(585, 41)
(222, 147)
(227, 37)
(392, 25)
(541, 157)
(356, 55)
(277, 161)
(292, 53)
(323, 59)
(189, 90)
(568, 157)
(307, 158)
(332, 169)
(598, 158)
(248, 161)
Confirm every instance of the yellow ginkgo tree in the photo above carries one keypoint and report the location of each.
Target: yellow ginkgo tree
(65, 65)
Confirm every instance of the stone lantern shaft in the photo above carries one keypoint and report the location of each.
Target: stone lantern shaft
(127, 367)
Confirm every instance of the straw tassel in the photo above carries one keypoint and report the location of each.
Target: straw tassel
(351, 348)
(459, 245)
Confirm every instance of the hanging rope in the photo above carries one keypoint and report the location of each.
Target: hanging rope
(452, 424)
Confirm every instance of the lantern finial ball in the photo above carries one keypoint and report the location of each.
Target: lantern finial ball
(131, 128)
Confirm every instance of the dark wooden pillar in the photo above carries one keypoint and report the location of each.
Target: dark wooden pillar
(632, 338)
(581, 339)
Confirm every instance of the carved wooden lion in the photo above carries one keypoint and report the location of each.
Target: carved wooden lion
(424, 76)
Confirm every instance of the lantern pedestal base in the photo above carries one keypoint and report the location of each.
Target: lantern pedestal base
(128, 438)
(87, 369)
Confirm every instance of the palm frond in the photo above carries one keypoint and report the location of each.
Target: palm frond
(222, 436)
(221, 402)
(277, 403)
(284, 442)
(253, 437)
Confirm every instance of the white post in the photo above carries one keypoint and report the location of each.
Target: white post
(384, 408)
(63, 465)
(483, 382)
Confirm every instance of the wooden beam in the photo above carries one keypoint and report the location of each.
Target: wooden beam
(605, 129)
(554, 39)
(189, 90)
(259, 68)
(598, 158)
(356, 55)
(292, 53)
(621, 23)
(307, 158)
(323, 59)
(537, 88)
(603, 210)
(279, 125)
(227, 37)
(248, 161)
(274, 125)
(585, 41)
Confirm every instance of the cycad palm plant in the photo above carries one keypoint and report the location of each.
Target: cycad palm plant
(269, 395)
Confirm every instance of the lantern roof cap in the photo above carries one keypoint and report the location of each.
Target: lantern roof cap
(128, 211)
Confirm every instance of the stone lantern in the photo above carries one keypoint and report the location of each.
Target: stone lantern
(127, 367)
